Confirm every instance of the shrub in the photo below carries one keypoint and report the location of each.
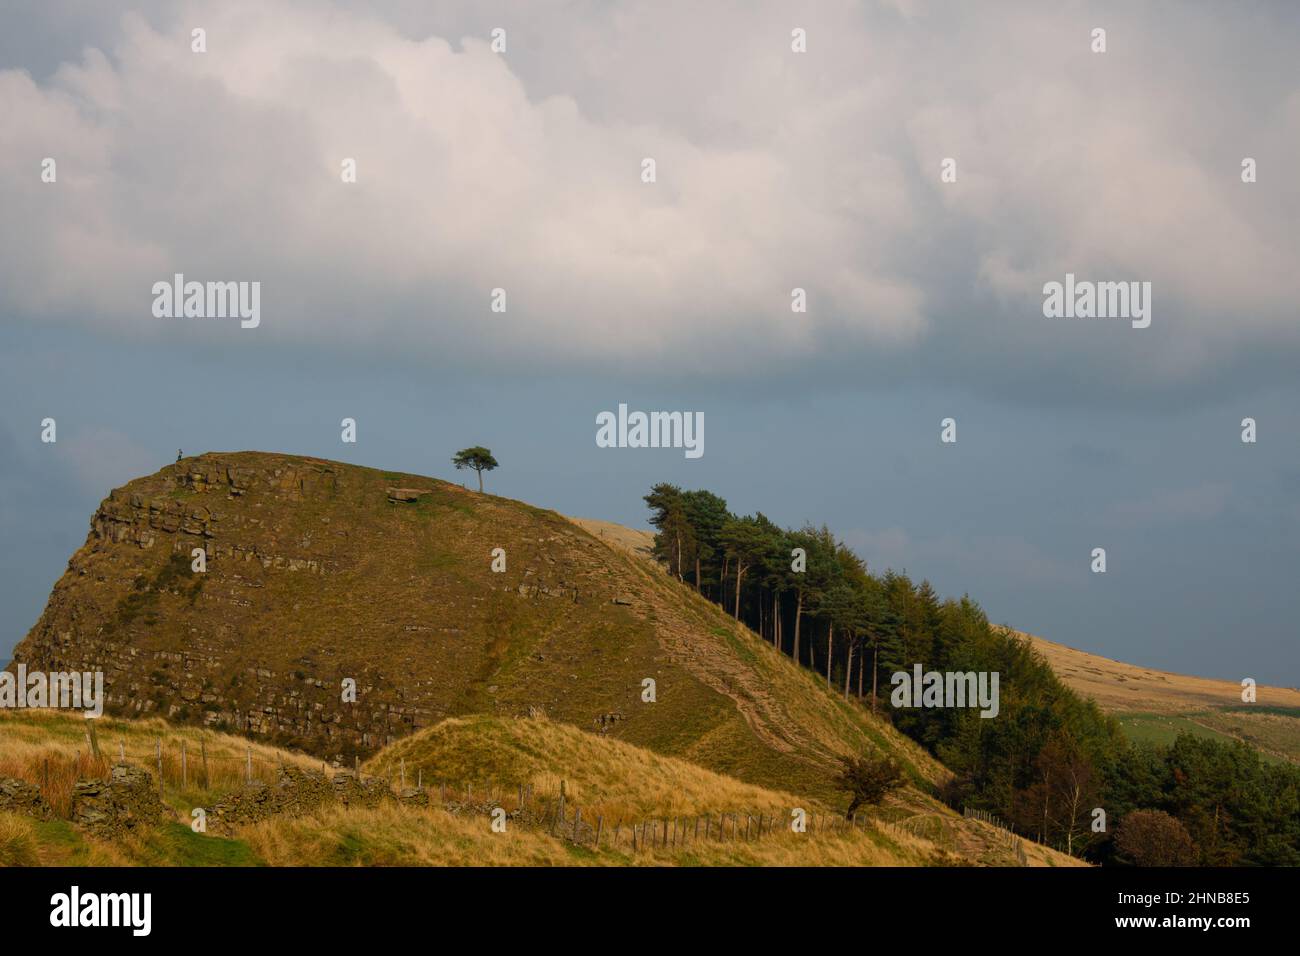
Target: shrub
(1153, 838)
(868, 779)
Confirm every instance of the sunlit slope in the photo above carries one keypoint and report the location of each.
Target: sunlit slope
(321, 572)
(605, 779)
(1117, 686)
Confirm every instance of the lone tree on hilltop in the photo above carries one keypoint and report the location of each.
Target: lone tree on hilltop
(869, 779)
(478, 458)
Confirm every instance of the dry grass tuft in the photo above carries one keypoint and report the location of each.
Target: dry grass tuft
(17, 841)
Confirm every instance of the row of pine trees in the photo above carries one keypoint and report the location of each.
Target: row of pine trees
(1050, 759)
(805, 592)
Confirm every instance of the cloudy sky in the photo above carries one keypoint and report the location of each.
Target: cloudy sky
(775, 170)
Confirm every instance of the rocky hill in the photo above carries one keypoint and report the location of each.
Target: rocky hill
(319, 572)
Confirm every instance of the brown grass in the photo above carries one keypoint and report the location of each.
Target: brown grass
(50, 748)
(17, 841)
(1117, 686)
(399, 836)
(602, 775)
(606, 777)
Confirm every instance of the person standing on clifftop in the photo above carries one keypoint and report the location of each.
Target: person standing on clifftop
(178, 454)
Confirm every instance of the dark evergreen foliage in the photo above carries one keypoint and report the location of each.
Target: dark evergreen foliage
(1049, 759)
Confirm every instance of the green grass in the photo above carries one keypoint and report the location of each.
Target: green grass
(175, 844)
(59, 843)
(744, 652)
(1163, 729)
(1263, 709)
(1273, 731)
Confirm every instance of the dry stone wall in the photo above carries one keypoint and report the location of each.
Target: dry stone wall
(126, 801)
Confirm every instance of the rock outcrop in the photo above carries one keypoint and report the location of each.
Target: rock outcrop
(249, 592)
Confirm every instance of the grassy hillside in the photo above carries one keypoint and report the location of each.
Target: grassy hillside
(319, 572)
(51, 749)
(618, 781)
(316, 574)
(1119, 687)
(1154, 706)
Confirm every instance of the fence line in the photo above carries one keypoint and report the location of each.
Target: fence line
(177, 768)
(1009, 837)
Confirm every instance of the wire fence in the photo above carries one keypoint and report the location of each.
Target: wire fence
(1009, 838)
(183, 766)
(180, 766)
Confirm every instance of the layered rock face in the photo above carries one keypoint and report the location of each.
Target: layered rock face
(317, 574)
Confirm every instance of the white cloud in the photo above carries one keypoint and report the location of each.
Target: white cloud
(776, 170)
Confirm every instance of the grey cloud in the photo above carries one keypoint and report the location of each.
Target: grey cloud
(775, 170)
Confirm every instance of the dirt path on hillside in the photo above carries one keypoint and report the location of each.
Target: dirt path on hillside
(690, 641)
(684, 623)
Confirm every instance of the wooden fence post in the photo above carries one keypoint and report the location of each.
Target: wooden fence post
(250, 764)
(403, 773)
(203, 750)
(184, 767)
(577, 822)
(600, 825)
(158, 748)
(94, 738)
